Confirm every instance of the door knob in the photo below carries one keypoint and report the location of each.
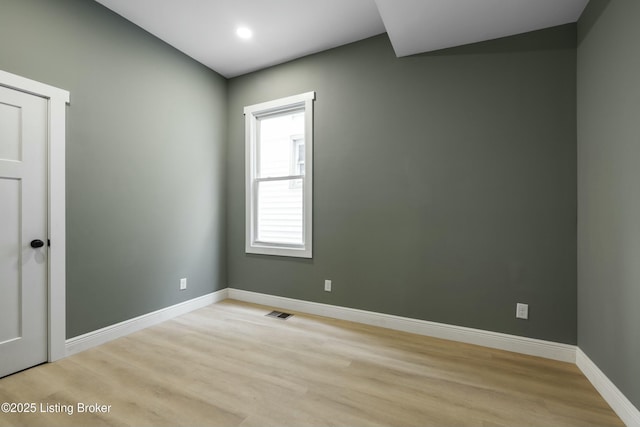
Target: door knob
(37, 244)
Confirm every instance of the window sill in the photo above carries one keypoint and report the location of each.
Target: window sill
(279, 251)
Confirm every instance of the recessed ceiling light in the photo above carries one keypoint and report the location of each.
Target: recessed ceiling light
(244, 33)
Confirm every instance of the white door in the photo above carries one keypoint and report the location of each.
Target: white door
(23, 224)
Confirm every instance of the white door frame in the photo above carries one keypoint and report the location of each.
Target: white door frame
(57, 100)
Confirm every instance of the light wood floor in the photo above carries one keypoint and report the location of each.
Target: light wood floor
(229, 365)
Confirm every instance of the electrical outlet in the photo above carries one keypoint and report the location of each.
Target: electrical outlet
(522, 311)
(327, 285)
(183, 284)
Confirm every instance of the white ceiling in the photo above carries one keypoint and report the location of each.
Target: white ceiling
(416, 26)
(288, 29)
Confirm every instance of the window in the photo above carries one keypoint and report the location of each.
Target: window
(279, 176)
(297, 158)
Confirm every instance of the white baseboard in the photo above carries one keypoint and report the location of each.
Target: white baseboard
(530, 346)
(627, 412)
(92, 339)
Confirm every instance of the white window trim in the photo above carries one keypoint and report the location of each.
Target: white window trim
(252, 113)
(57, 100)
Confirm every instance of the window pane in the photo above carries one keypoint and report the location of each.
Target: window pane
(279, 138)
(279, 212)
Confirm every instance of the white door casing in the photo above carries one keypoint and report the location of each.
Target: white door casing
(23, 218)
(54, 103)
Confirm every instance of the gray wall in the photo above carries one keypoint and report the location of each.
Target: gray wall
(445, 183)
(146, 145)
(608, 182)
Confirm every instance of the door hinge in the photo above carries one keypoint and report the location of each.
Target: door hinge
(49, 242)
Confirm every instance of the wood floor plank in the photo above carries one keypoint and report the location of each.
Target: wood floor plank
(230, 365)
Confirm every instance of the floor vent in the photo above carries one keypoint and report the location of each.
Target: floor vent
(279, 315)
